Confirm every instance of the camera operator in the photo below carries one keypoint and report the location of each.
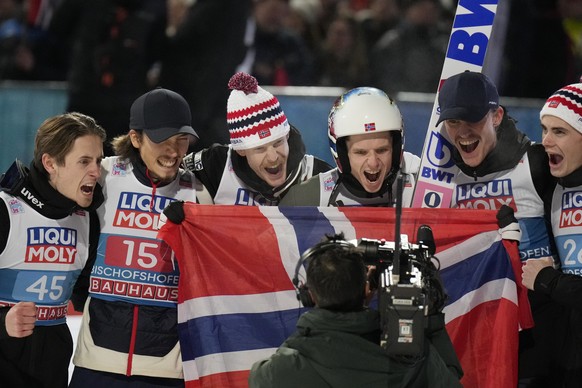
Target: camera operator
(337, 343)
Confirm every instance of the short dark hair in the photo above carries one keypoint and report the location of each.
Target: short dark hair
(336, 276)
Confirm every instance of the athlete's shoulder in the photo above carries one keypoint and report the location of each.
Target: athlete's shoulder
(186, 178)
(320, 165)
(115, 165)
(212, 158)
(538, 160)
(303, 194)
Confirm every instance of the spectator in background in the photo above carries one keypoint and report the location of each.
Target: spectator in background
(113, 46)
(410, 57)
(571, 11)
(280, 56)
(328, 10)
(380, 17)
(342, 59)
(15, 57)
(204, 45)
(28, 51)
(535, 42)
(301, 19)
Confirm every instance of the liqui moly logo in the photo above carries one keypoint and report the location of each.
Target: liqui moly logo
(246, 197)
(137, 211)
(571, 209)
(51, 245)
(486, 195)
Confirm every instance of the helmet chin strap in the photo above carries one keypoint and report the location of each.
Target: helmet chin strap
(343, 161)
(356, 188)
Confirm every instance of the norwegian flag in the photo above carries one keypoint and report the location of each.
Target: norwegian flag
(370, 127)
(263, 133)
(237, 303)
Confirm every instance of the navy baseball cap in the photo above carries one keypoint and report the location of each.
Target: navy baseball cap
(467, 96)
(161, 114)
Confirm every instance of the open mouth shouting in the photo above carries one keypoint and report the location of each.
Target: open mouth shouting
(274, 175)
(468, 146)
(372, 177)
(371, 180)
(274, 170)
(555, 159)
(87, 189)
(85, 197)
(472, 150)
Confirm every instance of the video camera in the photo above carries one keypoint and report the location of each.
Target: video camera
(408, 287)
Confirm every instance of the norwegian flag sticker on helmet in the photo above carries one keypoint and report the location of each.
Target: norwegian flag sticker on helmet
(370, 127)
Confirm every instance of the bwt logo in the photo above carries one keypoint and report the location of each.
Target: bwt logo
(439, 151)
(486, 195)
(438, 154)
(136, 210)
(571, 209)
(466, 47)
(51, 245)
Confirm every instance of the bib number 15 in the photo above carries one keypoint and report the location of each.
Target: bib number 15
(139, 254)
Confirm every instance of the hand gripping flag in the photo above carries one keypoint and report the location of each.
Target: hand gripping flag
(237, 303)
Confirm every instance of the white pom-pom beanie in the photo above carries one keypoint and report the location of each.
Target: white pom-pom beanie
(566, 104)
(254, 115)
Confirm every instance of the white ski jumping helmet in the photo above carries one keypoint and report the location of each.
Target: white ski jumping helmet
(359, 111)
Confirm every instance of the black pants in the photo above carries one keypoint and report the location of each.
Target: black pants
(40, 360)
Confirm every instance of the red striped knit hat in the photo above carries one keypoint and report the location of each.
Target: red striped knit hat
(566, 104)
(254, 115)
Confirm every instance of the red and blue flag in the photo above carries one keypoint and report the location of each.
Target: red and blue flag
(237, 303)
(370, 127)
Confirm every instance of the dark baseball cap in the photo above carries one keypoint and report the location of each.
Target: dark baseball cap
(467, 96)
(161, 114)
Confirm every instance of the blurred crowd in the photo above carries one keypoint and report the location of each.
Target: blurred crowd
(111, 51)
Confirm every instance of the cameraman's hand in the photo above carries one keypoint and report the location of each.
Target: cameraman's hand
(371, 283)
(20, 319)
